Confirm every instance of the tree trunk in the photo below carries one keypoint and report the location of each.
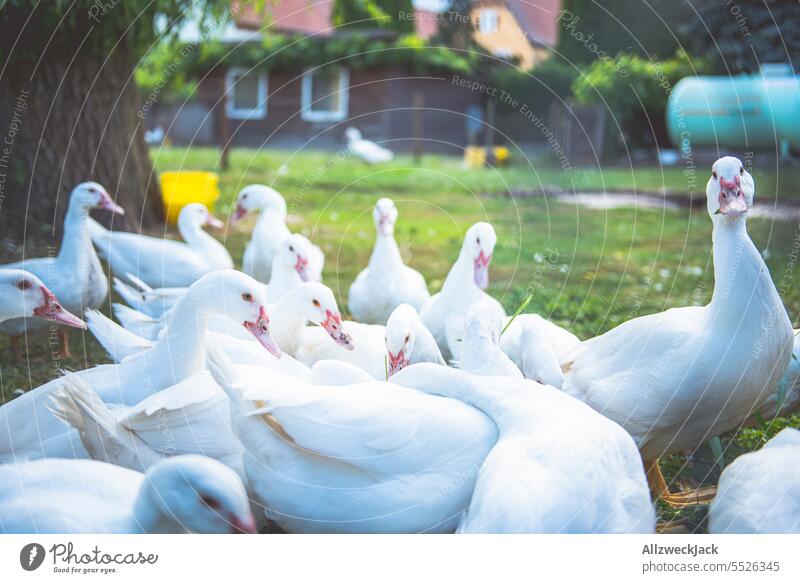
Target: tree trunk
(70, 119)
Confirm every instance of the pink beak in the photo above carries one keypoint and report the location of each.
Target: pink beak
(301, 267)
(384, 226)
(109, 205)
(53, 311)
(333, 326)
(214, 222)
(246, 525)
(260, 329)
(238, 214)
(482, 270)
(731, 197)
(398, 362)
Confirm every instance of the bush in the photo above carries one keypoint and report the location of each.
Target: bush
(537, 88)
(635, 90)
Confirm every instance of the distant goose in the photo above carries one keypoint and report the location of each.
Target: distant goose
(408, 341)
(369, 152)
(75, 275)
(180, 494)
(387, 282)
(269, 232)
(161, 262)
(676, 378)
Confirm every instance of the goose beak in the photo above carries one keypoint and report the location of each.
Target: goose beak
(246, 525)
(333, 326)
(214, 222)
(384, 226)
(260, 329)
(109, 205)
(731, 198)
(301, 267)
(397, 362)
(482, 270)
(238, 214)
(52, 311)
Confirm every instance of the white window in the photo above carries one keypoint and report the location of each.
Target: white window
(245, 93)
(325, 94)
(487, 21)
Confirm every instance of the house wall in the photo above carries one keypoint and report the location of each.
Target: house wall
(509, 36)
(381, 104)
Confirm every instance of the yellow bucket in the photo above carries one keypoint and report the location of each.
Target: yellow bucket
(181, 188)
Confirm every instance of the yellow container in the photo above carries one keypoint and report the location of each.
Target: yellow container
(181, 188)
(475, 156)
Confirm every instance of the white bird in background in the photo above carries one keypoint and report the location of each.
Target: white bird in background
(369, 152)
(160, 262)
(677, 378)
(760, 491)
(180, 494)
(387, 282)
(480, 346)
(269, 232)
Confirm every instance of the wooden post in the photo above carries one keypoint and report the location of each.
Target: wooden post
(419, 113)
(223, 137)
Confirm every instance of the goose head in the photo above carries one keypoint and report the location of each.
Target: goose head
(91, 195)
(257, 197)
(294, 254)
(196, 494)
(320, 307)
(352, 134)
(23, 295)
(478, 246)
(730, 188)
(385, 216)
(239, 297)
(401, 336)
(194, 216)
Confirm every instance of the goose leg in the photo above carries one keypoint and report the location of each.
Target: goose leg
(63, 343)
(659, 489)
(15, 351)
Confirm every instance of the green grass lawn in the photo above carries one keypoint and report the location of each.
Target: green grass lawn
(588, 270)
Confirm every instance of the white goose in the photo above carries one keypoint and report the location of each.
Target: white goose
(677, 378)
(387, 282)
(759, 493)
(368, 151)
(145, 299)
(368, 457)
(408, 341)
(543, 476)
(480, 347)
(75, 275)
(23, 295)
(290, 266)
(444, 314)
(177, 495)
(536, 346)
(162, 262)
(269, 232)
(29, 431)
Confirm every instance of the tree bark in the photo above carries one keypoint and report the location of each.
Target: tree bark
(72, 118)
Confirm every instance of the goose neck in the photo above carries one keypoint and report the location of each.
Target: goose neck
(288, 324)
(385, 254)
(184, 339)
(461, 275)
(76, 243)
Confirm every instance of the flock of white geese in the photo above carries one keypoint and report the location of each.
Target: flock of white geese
(237, 398)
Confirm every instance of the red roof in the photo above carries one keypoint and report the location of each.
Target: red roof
(538, 19)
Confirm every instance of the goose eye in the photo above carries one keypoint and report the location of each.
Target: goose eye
(741, 170)
(24, 284)
(478, 240)
(247, 296)
(408, 337)
(210, 502)
(316, 303)
(291, 248)
(714, 174)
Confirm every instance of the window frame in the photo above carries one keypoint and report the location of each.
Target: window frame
(307, 113)
(232, 75)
